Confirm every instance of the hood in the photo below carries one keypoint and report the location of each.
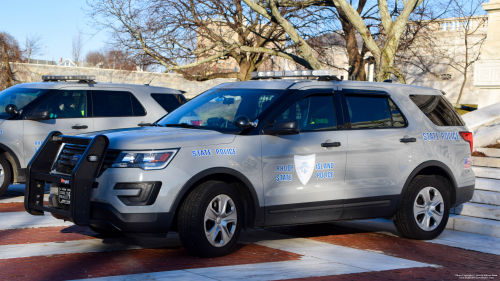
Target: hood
(161, 138)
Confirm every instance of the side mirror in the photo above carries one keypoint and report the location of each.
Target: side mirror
(11, 109)
(242, 122)
(283, 127)
(39, 115)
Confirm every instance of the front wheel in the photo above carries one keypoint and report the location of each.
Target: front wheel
(425, 209)
(5, 175)
(209, 221)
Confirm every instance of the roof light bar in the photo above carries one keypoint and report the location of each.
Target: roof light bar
(47, 78)
(292, 73)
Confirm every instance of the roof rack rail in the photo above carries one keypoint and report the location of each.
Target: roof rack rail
(323, 74)
(80, 78)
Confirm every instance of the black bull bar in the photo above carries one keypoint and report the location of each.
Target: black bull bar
(80, 182)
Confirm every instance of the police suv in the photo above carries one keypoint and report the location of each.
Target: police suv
(72, 105)
(265, 153)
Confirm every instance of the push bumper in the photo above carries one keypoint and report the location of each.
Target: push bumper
(80, 182)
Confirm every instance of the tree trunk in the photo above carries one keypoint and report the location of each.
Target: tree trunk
(385, 67)
(9, 76)
(457, 104)
(356, 60)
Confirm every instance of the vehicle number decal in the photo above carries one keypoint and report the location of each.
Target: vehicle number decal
(202, 152)
(440, 136)
(37, 145)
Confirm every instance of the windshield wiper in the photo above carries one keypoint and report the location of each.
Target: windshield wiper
(184, 125)
(149, 125)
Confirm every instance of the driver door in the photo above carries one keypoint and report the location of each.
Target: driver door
(69, 114)
(304, 173)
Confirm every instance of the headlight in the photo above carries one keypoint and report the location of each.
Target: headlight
(146, 160)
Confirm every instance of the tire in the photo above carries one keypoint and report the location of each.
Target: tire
(205, 228)
(5, 175)
(106, 232)
(429, 198)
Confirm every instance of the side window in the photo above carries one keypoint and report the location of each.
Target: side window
(112, 104)
(398, 120)
(137, 107)
(313, 113)
(438, 109)
(369, 112)
(169, 102)
(65, 104)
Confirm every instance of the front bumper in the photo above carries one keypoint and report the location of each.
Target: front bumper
(106, 216)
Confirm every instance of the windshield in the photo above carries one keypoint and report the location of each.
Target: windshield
(19, 97)
(217, 108)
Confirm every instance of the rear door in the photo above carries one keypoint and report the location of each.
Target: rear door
(303, 179)
(379, 152)
(113, 109)
(69, 114)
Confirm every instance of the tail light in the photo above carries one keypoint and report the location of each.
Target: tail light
(196, 122)
(467, 136)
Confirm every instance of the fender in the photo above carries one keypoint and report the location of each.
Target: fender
(259, 211)
(419, 168)
(14, 161)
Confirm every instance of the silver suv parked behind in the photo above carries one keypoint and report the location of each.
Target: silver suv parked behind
(266, 153)
(72, 105)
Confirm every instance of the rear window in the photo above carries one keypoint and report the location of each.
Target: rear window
(169, 102)
(366, 112)
(438, 109)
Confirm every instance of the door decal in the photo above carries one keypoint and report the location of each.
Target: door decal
(304, 165)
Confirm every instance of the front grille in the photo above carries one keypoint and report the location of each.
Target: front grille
(64, 165)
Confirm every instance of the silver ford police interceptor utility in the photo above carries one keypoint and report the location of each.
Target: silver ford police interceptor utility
(72, 105)
(265, 153)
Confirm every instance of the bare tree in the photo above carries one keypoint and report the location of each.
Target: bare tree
(392, 26)
(95, 58)
(76, 47)
(33, 45)
(9, 52)
(462, 57)
(213, 36)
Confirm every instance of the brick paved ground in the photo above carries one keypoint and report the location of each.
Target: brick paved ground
(70, 252)
(452, 262)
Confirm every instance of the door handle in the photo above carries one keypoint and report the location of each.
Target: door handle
(406, 140)
(79, 127)
(330, 144)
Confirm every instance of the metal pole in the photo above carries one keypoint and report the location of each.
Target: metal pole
(47, 57)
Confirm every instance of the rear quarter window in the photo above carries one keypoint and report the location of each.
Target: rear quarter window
(169, 102)
(438, 109)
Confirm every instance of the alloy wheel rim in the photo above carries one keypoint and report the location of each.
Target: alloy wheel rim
(428, 208)
(2, 174)
(220, 220)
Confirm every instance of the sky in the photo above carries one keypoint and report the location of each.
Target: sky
(57, 21)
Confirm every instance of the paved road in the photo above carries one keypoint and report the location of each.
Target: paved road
(43, 248)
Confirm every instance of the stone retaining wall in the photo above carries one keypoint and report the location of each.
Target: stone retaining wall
(26, 73)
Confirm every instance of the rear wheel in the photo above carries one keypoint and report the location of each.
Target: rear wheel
(5, 175)
(209, 220)
(425, 209)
